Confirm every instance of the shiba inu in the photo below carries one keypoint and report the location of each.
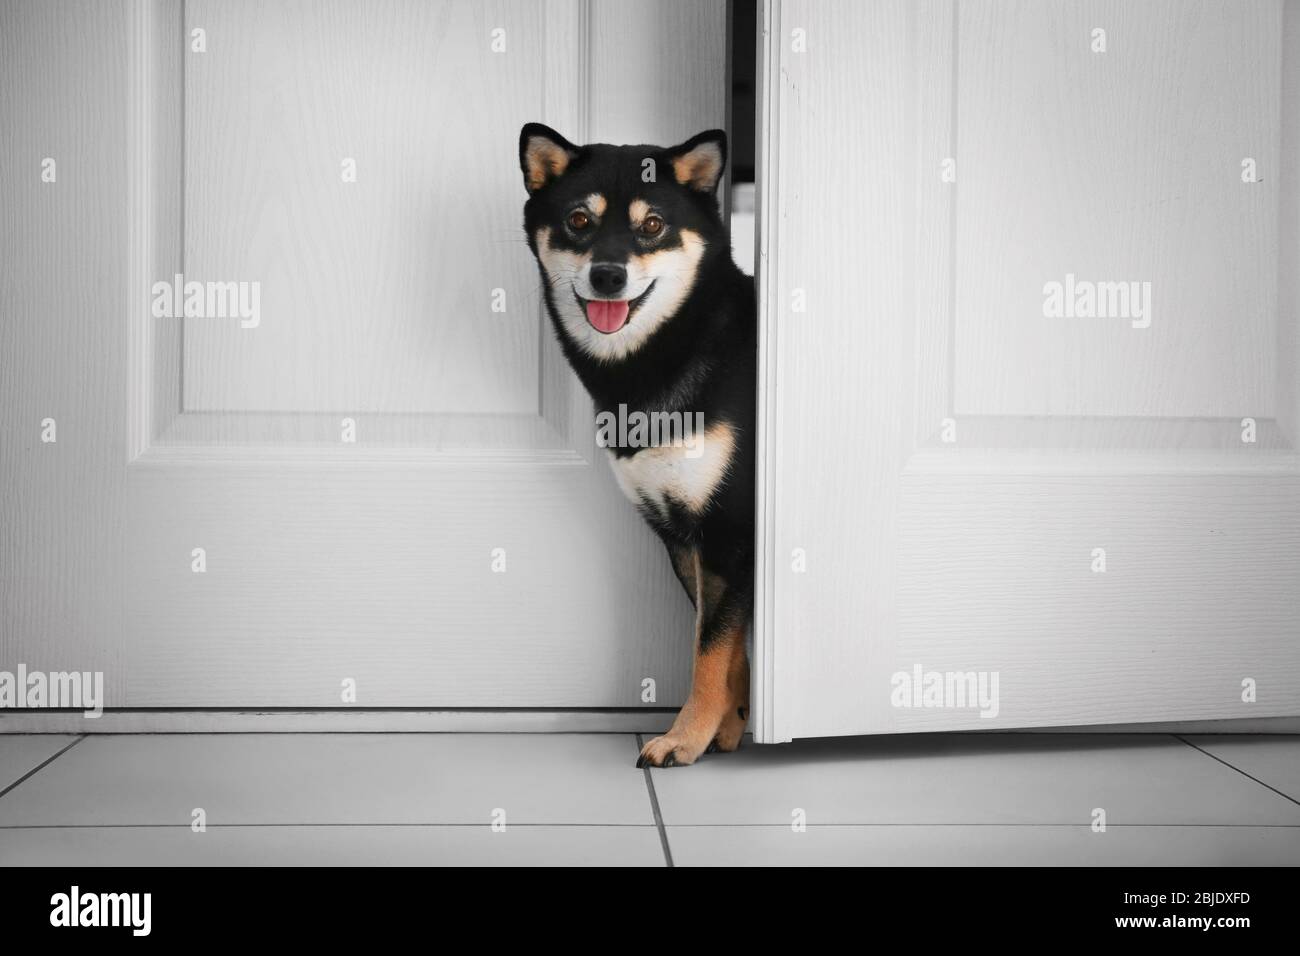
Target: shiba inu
(655, 318)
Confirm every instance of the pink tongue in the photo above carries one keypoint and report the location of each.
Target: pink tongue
(606, 316)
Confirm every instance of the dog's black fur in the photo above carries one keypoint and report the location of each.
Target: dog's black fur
(699, 358)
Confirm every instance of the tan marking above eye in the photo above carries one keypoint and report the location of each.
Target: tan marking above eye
(596, 203)
(644, 219)
(637, 212)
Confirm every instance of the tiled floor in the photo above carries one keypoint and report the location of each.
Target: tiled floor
(577, 799)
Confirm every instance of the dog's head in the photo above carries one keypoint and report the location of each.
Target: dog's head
(620, 232)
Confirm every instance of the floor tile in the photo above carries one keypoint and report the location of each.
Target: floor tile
(332, 846)
(336, 778)
(19, 753)
(967, 778)
(985, 846)
(1274, 760)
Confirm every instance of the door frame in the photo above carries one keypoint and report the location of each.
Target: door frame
(767, 649)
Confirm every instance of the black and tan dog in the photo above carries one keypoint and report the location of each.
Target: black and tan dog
(656, 318)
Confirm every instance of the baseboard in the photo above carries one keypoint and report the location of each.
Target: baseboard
(1239, 725)
(339, 721)
(484, 721)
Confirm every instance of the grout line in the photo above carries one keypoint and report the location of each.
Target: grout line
(1004, 826)
(1286, 796)
(42, 765)
(654, 806)
(642, 826)
(360, 825)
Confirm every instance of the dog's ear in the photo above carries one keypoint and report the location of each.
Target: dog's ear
(543, 155)
(699, 162)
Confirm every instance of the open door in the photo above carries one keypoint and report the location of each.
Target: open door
(1028, 288)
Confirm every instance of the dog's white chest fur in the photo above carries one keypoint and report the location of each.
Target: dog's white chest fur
(687, 474)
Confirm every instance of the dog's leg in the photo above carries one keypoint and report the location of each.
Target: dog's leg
(684, 560)
(733, 723)
(715, 711)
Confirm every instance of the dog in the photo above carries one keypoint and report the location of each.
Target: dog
(656, 318)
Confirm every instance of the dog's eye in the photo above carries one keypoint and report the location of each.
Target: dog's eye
(579, 220)
(651, 226)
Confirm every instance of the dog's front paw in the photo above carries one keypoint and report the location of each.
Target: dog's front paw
(670, 750)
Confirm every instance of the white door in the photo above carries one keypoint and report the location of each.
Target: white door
(384, 474)
(1030, 413)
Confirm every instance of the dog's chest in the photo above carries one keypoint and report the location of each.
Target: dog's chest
(686, 474)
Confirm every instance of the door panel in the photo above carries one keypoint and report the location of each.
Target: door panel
(377, 293)
(1118, 166)
(1100, 512)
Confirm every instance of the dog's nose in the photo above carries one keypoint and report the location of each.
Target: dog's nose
(608, 279)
